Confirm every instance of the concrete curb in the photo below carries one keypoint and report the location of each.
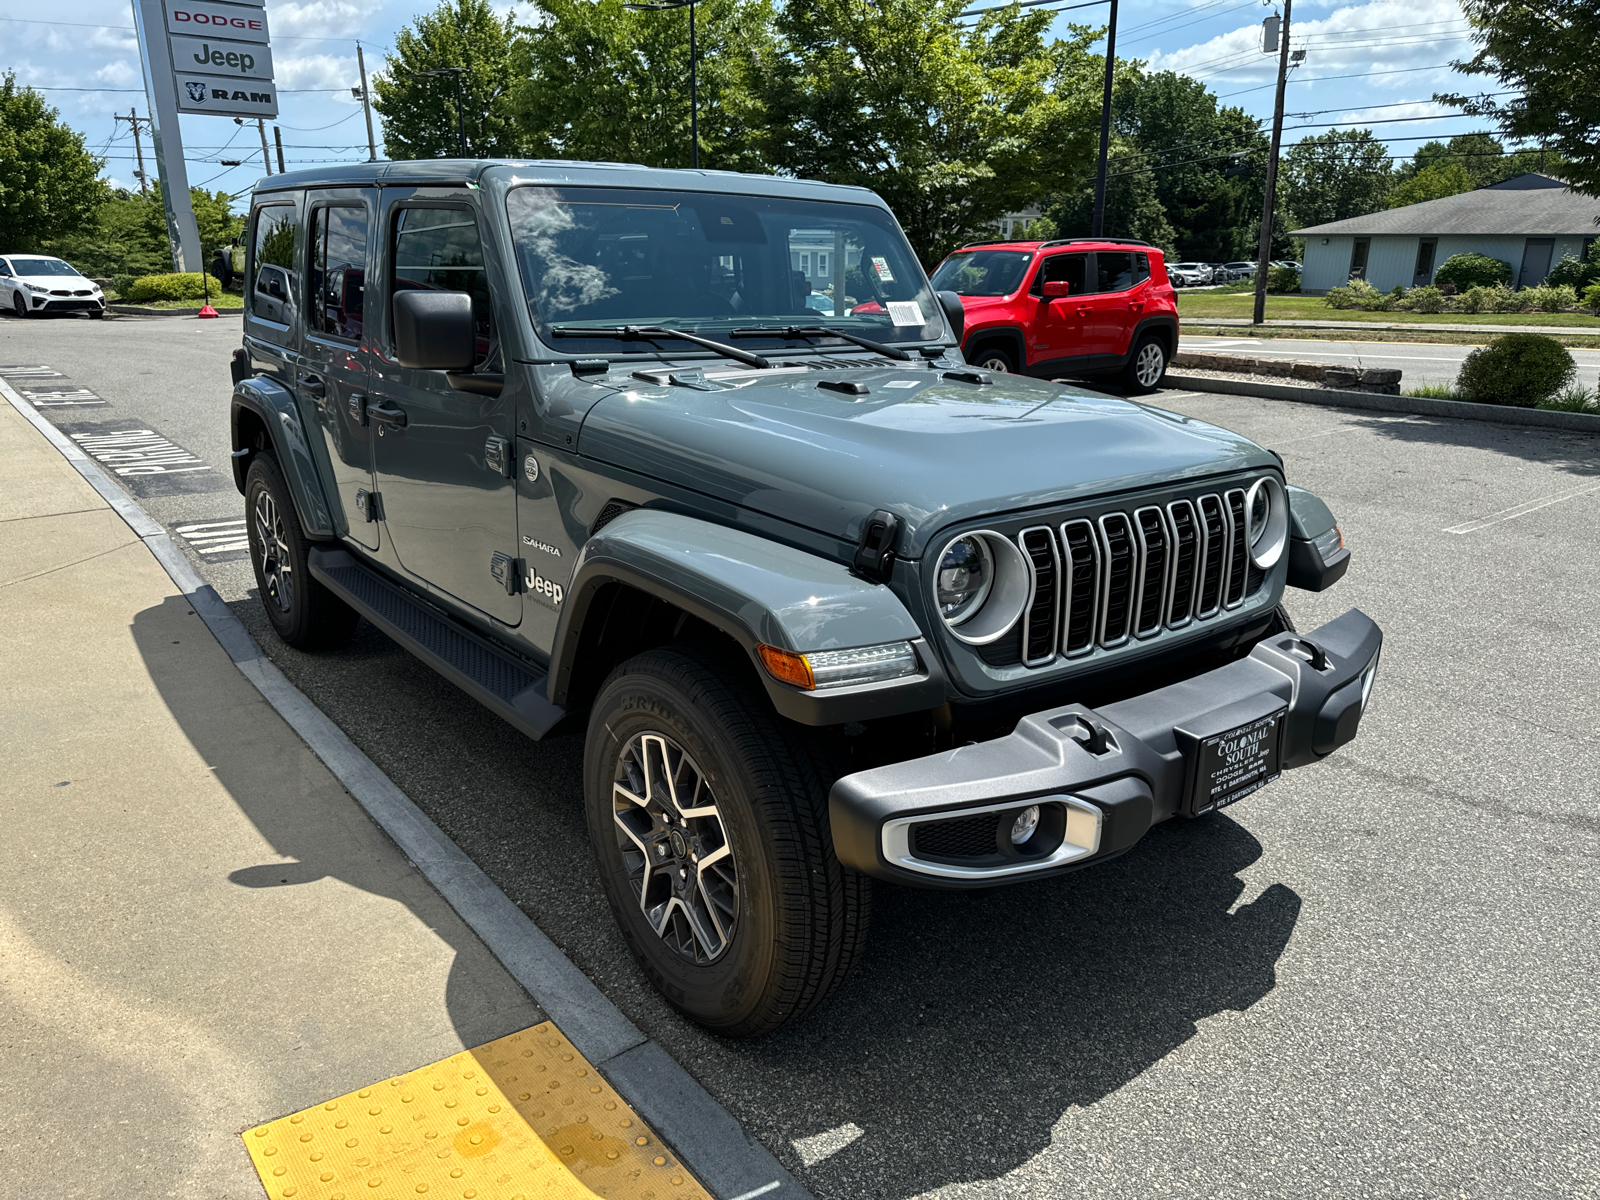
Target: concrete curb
(730, 1163)
(136, 310)
(1415, 405)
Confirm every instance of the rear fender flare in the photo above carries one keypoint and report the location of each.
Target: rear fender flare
(273, 407)
(755, 591)
(1008, 336)
(1163, 324)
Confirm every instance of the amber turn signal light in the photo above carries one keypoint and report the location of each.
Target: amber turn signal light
(786, 666)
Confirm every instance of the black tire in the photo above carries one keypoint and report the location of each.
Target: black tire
(19, 306)
(305, 614)
(1146, 366)
(789, 921)
(993, 358)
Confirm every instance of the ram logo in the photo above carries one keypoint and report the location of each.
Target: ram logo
(197, 92)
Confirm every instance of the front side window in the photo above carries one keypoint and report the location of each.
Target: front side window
(714, 265)
(1114, 271)
(272, 265)
(338, 270)
(1071, 269)
(437, 249)
(4, 269)
(982, 272)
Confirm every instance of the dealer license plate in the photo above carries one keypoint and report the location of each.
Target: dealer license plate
(1242, 760)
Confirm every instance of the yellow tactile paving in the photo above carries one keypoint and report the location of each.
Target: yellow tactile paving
(522, 1118)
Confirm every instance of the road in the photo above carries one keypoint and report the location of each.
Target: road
(1421, 362)
(1374, 978)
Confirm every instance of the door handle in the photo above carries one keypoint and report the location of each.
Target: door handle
(1083, 312)
(388, 412)
(312, 386)
(1136, 306)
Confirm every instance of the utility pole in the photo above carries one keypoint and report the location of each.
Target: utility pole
(134, 120)
(277, 137)
(266, 158)
(1105, 128)
(1269, 201)
(366, 104)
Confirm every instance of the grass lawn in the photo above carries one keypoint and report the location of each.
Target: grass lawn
(226, 300)
(1193, 305)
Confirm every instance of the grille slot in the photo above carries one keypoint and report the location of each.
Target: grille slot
(1082, 555)
(1215, 528)
(1186, 561)
(963, 837)
(1155, 552)
(1121, 578)
(1040, 621)
(1238, 557)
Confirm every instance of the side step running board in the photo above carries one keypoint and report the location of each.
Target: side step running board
(511, 689)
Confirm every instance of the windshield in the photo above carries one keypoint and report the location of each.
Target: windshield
(710, 263)
(982, 272)
(41, 266)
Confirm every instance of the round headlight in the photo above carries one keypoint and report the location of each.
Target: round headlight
(980, 586)
(966, 573)
(1266, 518)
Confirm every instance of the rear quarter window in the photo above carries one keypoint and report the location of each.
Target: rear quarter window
(274, 282)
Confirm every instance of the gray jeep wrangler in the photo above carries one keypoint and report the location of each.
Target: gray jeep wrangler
(690, 461)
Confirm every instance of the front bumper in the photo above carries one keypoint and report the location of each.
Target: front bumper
(1103, 777)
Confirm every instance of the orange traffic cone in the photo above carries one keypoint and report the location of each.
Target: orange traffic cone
(206, 311)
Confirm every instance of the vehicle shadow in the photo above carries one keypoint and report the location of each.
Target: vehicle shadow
(1575, 453)
(307, 818)
(976, 1023)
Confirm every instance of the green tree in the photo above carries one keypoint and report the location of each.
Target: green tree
(1543, 57)
(1334, 175)
(419, 114)
(953, 126)
(129, 234)
(596, 81)
(1206, 162)
(1132, 208)
(1432, 183)
(50, 184)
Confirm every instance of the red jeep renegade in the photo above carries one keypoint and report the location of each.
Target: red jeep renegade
(1081, 307)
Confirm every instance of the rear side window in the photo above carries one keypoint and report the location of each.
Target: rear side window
(1141, 268)
(1073, 269)
(438, 249)
(272, 282)
(1115, 270)
(338, 270)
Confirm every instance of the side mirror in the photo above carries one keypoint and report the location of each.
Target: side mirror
(1056, 288)
(434, 331)
(954, 313)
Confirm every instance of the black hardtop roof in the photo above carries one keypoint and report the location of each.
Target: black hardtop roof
(556, 172)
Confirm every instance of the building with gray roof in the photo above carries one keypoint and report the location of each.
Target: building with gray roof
(1531, 222)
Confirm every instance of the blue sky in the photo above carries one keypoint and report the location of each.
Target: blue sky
(1371, 62)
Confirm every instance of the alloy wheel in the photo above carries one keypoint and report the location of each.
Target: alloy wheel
(1148, 366)
(675, 847)
(18, 305)
(272, 544)
(995, 363)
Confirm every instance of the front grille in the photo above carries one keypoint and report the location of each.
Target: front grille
(1125, 576)
(964, 837)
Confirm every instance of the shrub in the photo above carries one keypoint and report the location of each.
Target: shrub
(1283, 279)
(1577, 273)
(178, 286)
(1591, 296)
(1425, 300)
(1546, 298)
(1358, 293)
(120, 285)
(1518, 369)
(1472, 270)
(1575, 398)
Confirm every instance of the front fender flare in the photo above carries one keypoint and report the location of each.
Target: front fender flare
(274, 406)
(754, 590)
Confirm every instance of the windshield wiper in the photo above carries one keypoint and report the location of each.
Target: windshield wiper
(817, 331)
(649, 333)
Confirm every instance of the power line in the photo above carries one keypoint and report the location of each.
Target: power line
(1326, 78)
(972, 12)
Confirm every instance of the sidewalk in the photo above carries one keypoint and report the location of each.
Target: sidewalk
(200, 930)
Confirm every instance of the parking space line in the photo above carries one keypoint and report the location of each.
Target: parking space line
(1522, 510)
(209, 538)
(39, 372)
(525, 1114)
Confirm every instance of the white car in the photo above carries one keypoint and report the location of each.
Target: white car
(1193, 274)
(31, 284)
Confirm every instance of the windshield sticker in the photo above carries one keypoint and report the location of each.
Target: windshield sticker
(905, 312)
(901, 383)
(881, 266)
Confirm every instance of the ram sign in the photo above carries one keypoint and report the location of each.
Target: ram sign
(226, 97)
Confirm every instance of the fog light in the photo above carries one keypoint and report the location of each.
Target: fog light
(1022, 828)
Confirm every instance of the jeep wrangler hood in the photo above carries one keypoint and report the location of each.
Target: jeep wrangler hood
(932, 449)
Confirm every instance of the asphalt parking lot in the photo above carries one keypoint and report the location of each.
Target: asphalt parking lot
(1420, 362)
(1374, 978)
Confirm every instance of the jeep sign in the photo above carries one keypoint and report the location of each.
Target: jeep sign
(226, 97)
(209, 56)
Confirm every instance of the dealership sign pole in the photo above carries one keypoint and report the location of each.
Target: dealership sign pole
(203, 57)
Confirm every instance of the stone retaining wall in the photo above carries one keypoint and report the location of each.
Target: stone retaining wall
(1381, 380)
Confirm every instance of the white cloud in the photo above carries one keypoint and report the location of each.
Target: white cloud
(120, 73)
(318, 18)
(312, 71)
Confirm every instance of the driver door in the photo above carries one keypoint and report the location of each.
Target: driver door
(440, 456)
(1058, 328)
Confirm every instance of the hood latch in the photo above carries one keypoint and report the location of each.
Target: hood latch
(875, 551)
